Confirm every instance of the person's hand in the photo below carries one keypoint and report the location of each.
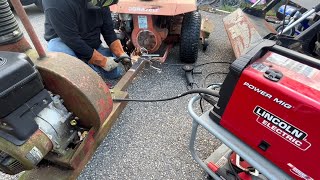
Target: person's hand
(117, 49)
(110, 64)
(125, 61)
(107, 63)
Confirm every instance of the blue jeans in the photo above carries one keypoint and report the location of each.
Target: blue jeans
(56, 45)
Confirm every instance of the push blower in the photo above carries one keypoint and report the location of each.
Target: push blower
(33, 121)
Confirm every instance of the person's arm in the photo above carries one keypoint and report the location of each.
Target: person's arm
(66, 28)
(111, 39)
(107, 30)
(64, 24)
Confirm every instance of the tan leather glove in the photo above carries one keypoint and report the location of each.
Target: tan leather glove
(107, 63)
(117, 50)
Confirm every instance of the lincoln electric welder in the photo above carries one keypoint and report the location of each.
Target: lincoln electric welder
(271, 101)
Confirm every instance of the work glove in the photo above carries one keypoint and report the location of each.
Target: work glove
(117, 50)
(106, 63)
(125, 60)
(110, 64)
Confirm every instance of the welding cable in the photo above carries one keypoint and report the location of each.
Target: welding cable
(211, 74)
(198, 65)
(212, 62)
(192, 91)
(207, 98)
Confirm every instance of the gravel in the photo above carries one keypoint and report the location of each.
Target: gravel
(150, 140)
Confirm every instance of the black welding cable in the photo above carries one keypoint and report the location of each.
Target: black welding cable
(212, 62)
(210, 74)
(192, 91)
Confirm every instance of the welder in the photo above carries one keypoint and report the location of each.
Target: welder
(75, 27)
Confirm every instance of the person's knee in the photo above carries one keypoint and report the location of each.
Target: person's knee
(56, 45)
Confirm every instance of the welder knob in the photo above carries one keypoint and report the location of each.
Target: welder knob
(273, 75)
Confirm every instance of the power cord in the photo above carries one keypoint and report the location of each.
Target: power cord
(193, 91)
(210, 74)
(198, 65)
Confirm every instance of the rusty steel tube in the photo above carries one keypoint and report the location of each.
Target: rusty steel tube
(27, 25)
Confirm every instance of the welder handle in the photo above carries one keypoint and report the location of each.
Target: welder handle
(302, 58)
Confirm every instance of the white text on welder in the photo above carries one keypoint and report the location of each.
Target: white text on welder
(267, 95)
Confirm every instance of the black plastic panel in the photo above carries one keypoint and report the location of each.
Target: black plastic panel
(20, 124)
(19, 80)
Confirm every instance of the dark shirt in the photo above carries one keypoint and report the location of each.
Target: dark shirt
(78, 24)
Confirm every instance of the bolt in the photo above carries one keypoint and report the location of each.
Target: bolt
(58, 146)
(73, 122)
(4, 124)
(15, 33)
(45, 101)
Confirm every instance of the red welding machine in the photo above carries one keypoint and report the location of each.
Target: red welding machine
(271, 101)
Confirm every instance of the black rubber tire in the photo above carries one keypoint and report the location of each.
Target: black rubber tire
(190, 37)
(38, 3)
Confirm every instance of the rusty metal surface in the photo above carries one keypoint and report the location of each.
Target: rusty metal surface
(245, 31)
(126, 80)
(155, 7)
(20, 46)
(38, 139)
(83, 91)
(27, 25)
(87, 149)
(165, 55)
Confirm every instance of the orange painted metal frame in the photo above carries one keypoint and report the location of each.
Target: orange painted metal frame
(155, 7)
(160, 34)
